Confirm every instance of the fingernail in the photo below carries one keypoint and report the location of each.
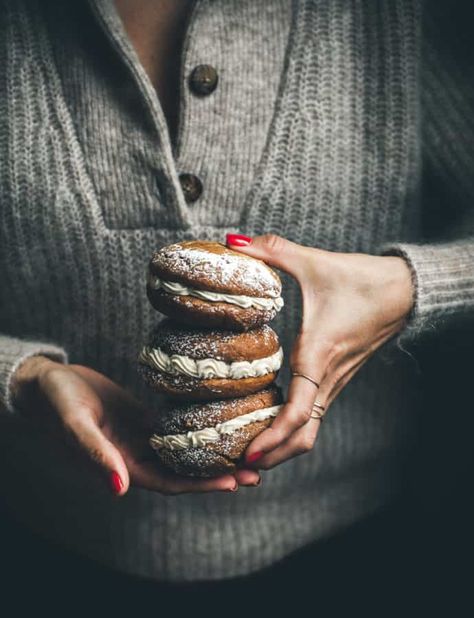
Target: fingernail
(254, 457)
(234, 488)
(238, 240)
(116, 482)
(257, 483)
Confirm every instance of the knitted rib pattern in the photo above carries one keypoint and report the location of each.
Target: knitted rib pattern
(324, 127)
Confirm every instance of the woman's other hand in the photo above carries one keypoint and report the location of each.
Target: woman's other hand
(352, 304)
(107, 424)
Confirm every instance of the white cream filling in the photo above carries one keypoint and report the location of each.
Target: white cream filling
(172, 287)
(207, 368)
(195, 439)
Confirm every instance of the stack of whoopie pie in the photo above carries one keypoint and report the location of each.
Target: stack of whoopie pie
(214, 353)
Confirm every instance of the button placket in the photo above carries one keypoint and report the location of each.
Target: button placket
(229, 87)
(202, 82)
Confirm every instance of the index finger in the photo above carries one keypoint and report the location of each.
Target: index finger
(296, 412)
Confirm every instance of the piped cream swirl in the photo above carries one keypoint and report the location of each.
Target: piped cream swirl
(201, 437)
(207, 368)
(178, 289)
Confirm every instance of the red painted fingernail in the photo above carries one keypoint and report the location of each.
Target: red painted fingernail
(116, 482)
(238, 240)
(254, 457)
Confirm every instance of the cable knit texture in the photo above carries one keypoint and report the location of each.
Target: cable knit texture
(330, 123)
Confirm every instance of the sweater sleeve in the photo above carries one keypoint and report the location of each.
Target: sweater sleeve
(13, 352)
(442, 265)
(443, 281)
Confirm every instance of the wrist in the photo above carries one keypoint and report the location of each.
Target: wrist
(401, 282)
(26, 377)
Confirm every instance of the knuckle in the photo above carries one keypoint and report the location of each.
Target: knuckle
(303, 416)
(311, 371)
(295, 418)
(336, 378)
(51, 374)
(340, 347)
(97, 455)
(309, 351)
(272, 242)
(305, 343)
(328, 348)
(297, 415)
(278, 436)
(305, 444)
(300, 356)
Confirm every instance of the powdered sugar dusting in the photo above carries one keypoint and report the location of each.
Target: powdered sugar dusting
(202, 343)
(215, 458)
(197, 462)
(197, 416)
(208, 265)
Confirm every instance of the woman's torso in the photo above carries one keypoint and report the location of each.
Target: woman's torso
(311, 133)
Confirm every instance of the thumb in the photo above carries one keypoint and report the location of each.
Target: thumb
(274, 250)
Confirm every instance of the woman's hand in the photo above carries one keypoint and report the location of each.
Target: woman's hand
(107, 424)
(352, 304)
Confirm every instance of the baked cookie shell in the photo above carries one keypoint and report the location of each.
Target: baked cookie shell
(199, 312)
(228, 346)
(214, 267)
(219, 457)
(193, 417)
(186, 388)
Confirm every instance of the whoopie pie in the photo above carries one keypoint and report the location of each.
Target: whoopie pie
(207, 284)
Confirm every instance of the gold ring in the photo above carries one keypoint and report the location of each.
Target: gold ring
(295, 374)
(317, 414)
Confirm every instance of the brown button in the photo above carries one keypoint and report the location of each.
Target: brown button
(203, 79)
(192, 187)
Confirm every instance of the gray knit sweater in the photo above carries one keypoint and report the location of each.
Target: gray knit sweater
(325, 116)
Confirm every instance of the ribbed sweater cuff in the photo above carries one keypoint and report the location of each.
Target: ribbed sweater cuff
(13, 352)
(443, 279)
